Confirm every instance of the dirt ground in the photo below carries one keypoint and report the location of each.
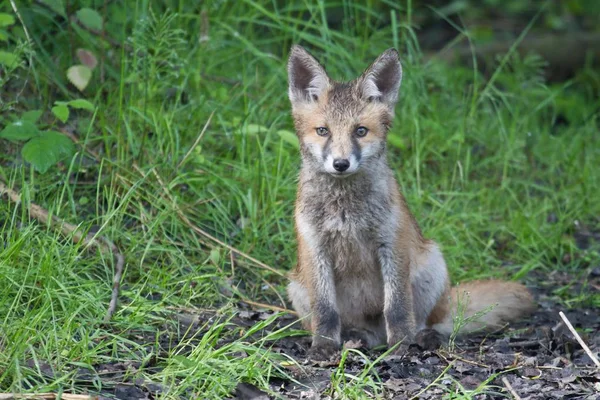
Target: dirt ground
(539, 358)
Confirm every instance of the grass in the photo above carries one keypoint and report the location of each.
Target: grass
(488, 169)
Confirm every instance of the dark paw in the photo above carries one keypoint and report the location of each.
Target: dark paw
(429, 339)
(401, 350)
(323, 352)
(356, 336)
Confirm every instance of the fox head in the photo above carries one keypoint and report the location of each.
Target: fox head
(342, 127)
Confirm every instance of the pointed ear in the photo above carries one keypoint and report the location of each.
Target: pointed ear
(307, 78)
(381, 81)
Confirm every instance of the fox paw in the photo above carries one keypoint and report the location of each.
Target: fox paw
(401, 350)
(323, 352)
(429, 339)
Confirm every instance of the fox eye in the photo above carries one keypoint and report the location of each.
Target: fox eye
(322, 131)
(361, 131)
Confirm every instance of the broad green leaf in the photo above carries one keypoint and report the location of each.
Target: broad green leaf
(8, 59)
(57, 6)
(81, 104)
(47, 149)
(61, 143)
(32, 116)
(3, 35)
(90, 18)
(20, 130)
(6, 19)
(87, 58)
(79, 75)
(36, 153)
(289, 137)
(61, 112)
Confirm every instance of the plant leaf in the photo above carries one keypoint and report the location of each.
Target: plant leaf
(20, 130)
(79, 75)
(6, 19)
(61, 112)
(60, 143)
(32, 116)
(8, 59)
(87, 58)
(46, 150)
(82, 104)
(90, 18)
(57, 6)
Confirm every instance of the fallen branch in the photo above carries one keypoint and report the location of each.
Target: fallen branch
(510, 389)
(581, 342)
(46, 396)
(77, 236)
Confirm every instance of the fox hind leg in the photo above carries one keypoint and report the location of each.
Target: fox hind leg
(431, 291)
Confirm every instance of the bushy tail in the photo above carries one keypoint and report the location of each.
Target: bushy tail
(486, 305)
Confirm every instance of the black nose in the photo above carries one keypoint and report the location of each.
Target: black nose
(341, 164)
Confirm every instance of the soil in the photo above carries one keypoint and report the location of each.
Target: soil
(538, 358)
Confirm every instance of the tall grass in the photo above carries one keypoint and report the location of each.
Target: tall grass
(486, 168)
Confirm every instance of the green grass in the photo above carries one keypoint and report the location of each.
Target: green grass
(484, 166)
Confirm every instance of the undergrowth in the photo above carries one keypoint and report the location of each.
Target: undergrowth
(191, 138)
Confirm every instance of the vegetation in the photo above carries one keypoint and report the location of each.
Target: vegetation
(179, 133)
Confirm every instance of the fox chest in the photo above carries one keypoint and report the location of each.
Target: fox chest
(350, 237)
(351, 240)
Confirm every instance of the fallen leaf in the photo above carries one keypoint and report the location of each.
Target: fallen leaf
(79, 76)
(87, 58)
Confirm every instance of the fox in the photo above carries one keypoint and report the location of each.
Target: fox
(365, 272)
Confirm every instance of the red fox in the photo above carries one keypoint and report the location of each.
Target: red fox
(365, 271)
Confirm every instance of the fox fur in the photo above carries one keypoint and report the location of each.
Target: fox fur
(364, 269)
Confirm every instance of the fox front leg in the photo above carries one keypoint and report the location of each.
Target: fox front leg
(398, 308)
(326, 323)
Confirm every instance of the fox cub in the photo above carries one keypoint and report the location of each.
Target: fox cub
(365, 272)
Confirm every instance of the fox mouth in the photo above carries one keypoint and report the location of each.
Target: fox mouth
(341, 175)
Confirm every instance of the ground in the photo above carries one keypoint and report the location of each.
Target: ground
(183, 156)
(539, 358)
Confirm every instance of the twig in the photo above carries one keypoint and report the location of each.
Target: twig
(184, 159)
(73, 231)
(581, 342)
(526, 344)
(116, 287)
(510, 389)
(268, 306)
(274, 291)
(459, 358)
(46, 396)
(16, 10)
(76, 140)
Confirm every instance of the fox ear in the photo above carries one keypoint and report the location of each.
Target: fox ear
(381, 81)
(307, 78)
